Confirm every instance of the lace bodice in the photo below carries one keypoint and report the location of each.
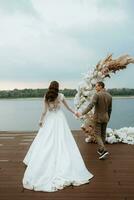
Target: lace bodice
(53, 106)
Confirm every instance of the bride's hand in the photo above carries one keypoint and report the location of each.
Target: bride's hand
(40, 124)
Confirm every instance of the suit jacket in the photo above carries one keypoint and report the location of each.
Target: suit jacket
(102, 101)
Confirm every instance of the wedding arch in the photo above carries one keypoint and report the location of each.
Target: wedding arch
(86, 90)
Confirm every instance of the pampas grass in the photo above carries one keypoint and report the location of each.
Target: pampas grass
(86, 89)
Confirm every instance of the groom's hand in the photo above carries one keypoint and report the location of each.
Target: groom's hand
(78, 114)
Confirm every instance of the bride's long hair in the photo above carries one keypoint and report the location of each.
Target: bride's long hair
(52, 92)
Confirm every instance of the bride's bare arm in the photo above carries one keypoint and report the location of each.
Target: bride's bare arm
(67, 106)
(43, 113)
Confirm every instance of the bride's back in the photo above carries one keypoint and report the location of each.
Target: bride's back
(56, 104)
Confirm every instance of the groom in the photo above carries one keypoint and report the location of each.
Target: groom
(102, 102)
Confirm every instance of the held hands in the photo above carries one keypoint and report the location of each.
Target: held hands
(78, 114)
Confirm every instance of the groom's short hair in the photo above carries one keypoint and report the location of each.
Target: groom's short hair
(100, 83)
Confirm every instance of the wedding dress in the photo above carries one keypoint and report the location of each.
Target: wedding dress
(53, 159)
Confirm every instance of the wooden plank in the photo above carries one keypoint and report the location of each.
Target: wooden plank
(113, 178)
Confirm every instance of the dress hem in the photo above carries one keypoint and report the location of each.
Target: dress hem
(59, 187)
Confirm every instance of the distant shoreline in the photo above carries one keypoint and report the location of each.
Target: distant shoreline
(34, 98)
(37, 93)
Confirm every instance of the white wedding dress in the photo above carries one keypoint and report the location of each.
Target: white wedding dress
(53, 160)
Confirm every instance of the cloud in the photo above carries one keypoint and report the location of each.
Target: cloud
(42, 40)
(22, 6)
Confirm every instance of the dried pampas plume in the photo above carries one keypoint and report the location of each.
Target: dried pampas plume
(86, 89)
(110, 65)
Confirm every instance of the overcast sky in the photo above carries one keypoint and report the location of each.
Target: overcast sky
(44, 40)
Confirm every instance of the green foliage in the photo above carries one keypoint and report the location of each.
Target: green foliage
(121, 92)
(22, 93)
(26, 93)
(69, 92)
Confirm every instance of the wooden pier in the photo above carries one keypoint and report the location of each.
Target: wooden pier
(113, 178)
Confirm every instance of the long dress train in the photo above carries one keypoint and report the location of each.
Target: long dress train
(53, 159)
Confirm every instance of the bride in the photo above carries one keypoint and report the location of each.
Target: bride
(53, 159)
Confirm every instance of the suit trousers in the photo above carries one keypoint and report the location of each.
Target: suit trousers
(100, 135)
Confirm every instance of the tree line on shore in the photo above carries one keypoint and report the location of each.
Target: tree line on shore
(28, 93)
